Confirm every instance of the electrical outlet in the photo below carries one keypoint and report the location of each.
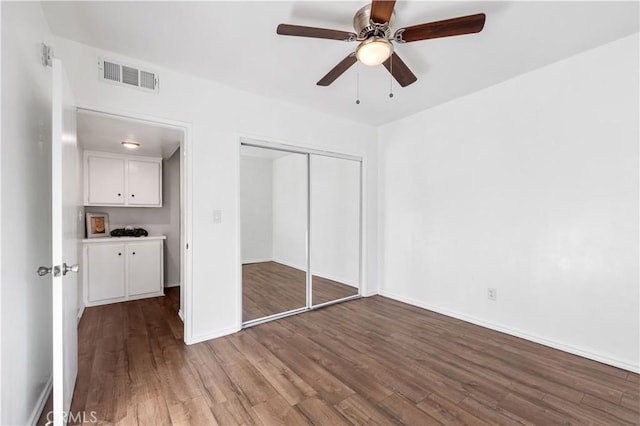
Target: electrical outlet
(492, 294)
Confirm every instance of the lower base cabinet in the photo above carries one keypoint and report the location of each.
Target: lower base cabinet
(120, 269)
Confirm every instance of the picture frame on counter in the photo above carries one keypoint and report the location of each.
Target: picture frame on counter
(97, 225)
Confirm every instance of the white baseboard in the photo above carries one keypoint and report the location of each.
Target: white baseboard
(168, 285)
(180, 315)
(80, 313)
(209, 336)
(290, 265)
(42, 401)
(536, 339)
(246, 262)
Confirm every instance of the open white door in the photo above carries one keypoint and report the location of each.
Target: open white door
(64, 205)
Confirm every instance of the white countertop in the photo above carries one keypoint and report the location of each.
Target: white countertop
(122, 239)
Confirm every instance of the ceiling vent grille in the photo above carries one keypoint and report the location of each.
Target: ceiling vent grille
(126, 75)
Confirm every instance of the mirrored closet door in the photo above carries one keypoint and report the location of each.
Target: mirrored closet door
(335, 228)
(300, 212)
(273, 214)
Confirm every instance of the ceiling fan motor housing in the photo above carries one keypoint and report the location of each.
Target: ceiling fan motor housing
(366, 28)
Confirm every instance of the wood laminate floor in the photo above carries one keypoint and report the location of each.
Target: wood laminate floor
(271, 288)
(368, 361)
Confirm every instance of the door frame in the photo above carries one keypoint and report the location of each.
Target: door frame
(186, 203)
(308, 151)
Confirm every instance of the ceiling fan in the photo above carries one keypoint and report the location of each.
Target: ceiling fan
(372, 24)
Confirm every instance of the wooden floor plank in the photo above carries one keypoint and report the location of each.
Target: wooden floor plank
(270, 288)
(277, 411)
(320, 413)
(372, 361)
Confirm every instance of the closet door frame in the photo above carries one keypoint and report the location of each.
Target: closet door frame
(257, 143)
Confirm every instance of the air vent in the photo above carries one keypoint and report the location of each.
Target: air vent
(115, 72)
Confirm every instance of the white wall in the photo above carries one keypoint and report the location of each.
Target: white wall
(290, 210)
(25, 368)
(529, 187)
(256, 209)
(163, 220)
(219, 116)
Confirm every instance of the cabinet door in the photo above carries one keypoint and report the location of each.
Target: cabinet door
(145, 183)
(105, 268)
(105, 181)
(145, 268)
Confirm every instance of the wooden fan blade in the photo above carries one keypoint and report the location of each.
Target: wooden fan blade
(300, 31)
(338, 70)
(399, 70)
(449, 27)
(381, 10)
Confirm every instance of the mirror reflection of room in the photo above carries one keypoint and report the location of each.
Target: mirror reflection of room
(273, 205)
(335, 228)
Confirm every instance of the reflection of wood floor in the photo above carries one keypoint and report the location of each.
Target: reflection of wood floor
(370, 361)
(270, 288)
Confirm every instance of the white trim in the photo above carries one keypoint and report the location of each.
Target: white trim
(40, 403)
(363, 260)
(180, 315)
(186, 199)
(532, 338)
(238, 234)
(302, 268)
(294, 147)
(214, 335)
(80, 312)
(170, 285)
(266, 259)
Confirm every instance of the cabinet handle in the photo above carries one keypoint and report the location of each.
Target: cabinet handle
(134, 253)
(119, 254)
(133, 195)
(119, 194)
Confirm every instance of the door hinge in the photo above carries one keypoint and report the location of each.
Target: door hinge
(46, 55)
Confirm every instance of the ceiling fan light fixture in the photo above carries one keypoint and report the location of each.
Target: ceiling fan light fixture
(130, 144)
(374, 51)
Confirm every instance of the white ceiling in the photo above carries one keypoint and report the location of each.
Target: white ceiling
(235, 43)
(102, 132)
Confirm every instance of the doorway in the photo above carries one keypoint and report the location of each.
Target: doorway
(301, 229)
(103, 133)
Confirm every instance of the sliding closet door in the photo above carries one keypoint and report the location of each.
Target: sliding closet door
(274, 218)
(335, 228)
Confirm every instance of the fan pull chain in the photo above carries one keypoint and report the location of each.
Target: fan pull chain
(358, 84)
(391, 76)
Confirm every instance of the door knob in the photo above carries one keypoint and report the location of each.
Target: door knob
(43, 270)
(70, 268)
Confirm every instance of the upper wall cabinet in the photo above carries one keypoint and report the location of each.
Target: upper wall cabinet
(122, 180)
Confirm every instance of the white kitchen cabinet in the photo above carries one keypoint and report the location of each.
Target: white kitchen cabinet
(106, 272)
(145, 267)
(104, 181)
(122, 180)
(120, 269)
(145, 186)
